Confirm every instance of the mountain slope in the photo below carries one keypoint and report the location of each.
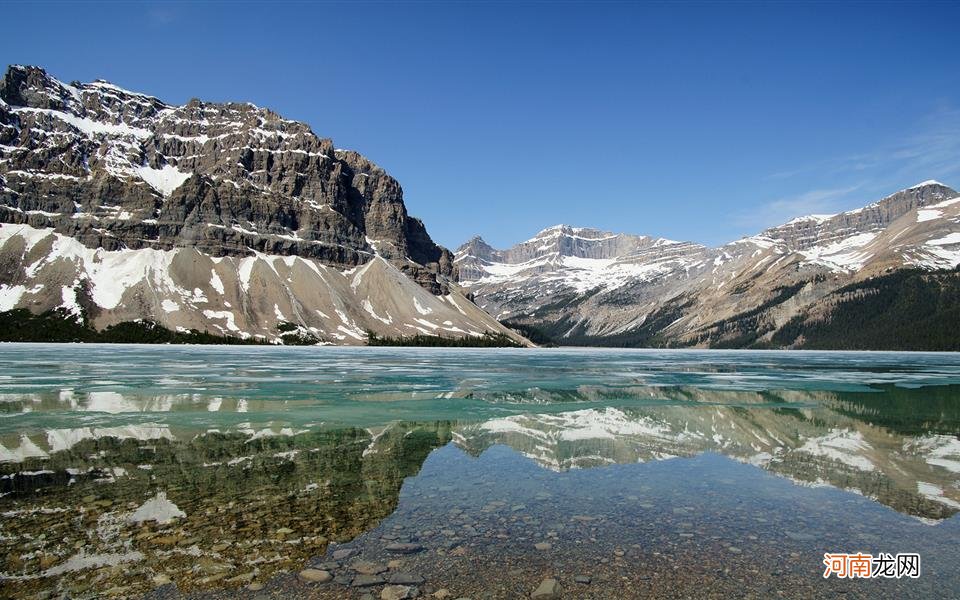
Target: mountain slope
(581, 286)
(227, 218)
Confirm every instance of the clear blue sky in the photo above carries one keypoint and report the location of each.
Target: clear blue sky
(700, 122)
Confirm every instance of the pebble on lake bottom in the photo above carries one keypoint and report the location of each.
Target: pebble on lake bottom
(315, 575)
(548, 590)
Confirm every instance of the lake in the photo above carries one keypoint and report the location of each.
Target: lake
(220, 472)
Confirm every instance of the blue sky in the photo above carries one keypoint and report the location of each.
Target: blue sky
(691, 121)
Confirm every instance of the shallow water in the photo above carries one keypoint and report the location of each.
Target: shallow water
(650, 473)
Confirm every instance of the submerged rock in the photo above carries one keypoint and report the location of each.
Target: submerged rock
(316, 575)
(404, 548)
(398, 592)
(406, 579)
(548, 590)
(367, 581)
(344, 553)
(368, 568)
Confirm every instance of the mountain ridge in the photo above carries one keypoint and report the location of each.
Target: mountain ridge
(662, 292)
(800, 220)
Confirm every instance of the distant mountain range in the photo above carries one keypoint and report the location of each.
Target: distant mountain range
(123, 218)
(880, 277)
(220, 218)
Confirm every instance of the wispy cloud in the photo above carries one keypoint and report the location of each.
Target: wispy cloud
(161, 16)
(820, 201)
(930, 151)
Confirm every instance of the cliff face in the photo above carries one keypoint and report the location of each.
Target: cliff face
(583, 286)
(223, 217)
(116, 169)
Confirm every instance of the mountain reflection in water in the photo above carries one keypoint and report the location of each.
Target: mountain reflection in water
(127, 488)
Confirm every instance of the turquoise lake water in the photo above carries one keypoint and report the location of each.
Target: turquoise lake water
(175, 470)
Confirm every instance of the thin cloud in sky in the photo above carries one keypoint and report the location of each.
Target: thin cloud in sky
(931, 151)
(820, 201)
(160, 16)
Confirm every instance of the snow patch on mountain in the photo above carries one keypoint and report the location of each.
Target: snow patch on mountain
(180, 283)
(165, 179)
(846, 254)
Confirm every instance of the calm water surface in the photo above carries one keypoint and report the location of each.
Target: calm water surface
(221, 472)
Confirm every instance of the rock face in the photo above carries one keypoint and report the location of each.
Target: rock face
(222, 217)
(583, 286)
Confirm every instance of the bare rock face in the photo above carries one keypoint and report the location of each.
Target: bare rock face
(117, 169)
(220, 217)
(811, 231)
(583, 286)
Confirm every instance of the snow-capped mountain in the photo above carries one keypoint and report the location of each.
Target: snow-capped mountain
(577, 285)
(220, 217)
(578, 258)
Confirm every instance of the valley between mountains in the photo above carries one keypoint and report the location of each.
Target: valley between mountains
(226, 222)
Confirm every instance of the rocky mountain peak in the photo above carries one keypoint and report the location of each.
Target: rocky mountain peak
(31, 86)
(119, 169)
(222, 217)
(812, 230)
(476, 246)
(558, 231)
(560, 241)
